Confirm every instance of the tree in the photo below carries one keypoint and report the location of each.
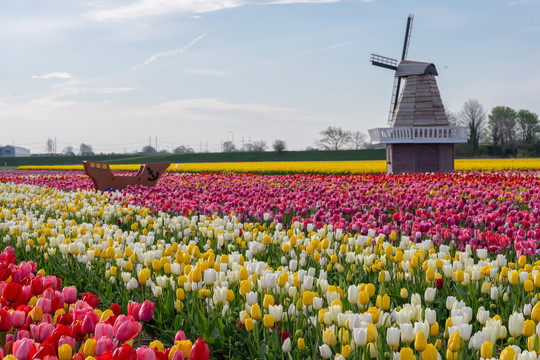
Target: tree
(228, 146)
(334, 138)
(528, 126)
(49, 146)
(502, 124)
(358, 140)
(69, 150)
(259, 146)
(183, 150)
(473, 116)
(86, 149)
(148, 149)
(279, 146)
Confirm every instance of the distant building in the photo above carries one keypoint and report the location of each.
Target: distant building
(13, 151)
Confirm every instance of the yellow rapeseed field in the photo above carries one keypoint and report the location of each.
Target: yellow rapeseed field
(321, 167)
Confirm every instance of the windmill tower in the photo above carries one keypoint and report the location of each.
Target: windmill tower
(419, 138)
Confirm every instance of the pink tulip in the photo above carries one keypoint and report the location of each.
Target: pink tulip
(18, 318)
(102, 344)
(103, 329)
(180, 335)
(41, 332)
(145, 353)
(70, 294)
(146, 312)
(126, 328)
(64, 339)
(45, 304)
(24, 349)
(21, 334)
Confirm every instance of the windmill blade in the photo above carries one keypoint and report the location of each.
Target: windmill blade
(408, 32)
(383, 61)
(393, 101)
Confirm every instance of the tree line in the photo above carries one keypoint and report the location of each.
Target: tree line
(503, 132)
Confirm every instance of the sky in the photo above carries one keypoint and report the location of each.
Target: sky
(122, 74)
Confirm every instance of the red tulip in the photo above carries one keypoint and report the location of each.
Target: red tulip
(90, 299)
(199, 351)
(146, 312)
(126, 328)
(6, 323)
(134, 309)
(13, 292)
(115, 308)
(78, 356)
(124, 352)
(45, 349)
(180, 335)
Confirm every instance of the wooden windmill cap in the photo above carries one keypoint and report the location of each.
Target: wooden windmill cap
(408, 68)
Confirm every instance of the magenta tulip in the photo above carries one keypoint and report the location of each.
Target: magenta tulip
(146, 312)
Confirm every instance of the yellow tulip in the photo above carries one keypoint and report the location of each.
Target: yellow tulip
(528, 285)
(249, 324)
(185, 347)
(528, 328)
(508, 353)
(535, 314)
(88, 348)
(301, 344)
(420, 342)
(245, 287)
(406, 353)
(307, 298)
(430, 353)
(430, 275)
(157, 345)
(268, 321)
(65, 352)
(454, 343)
(256, 312)
(371, 333)
(486, 350)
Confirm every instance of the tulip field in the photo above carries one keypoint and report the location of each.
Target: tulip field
(237, 265)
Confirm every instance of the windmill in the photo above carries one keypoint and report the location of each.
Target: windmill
(419, 138)
(392, 64)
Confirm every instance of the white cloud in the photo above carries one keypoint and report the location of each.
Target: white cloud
(53, 75)
(142, 8)
(218, 73)
(179, 51)
(113, 90)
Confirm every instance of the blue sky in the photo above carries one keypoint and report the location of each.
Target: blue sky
(115, 73)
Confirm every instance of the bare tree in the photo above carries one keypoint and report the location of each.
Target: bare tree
(473, 116)
(279, 146)
(502, 123)
(228, 146)
(86, 149)
(358, 140)
(259, 146)
(528, 126)
(334, 138)
(49, 146)
(69, 150)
